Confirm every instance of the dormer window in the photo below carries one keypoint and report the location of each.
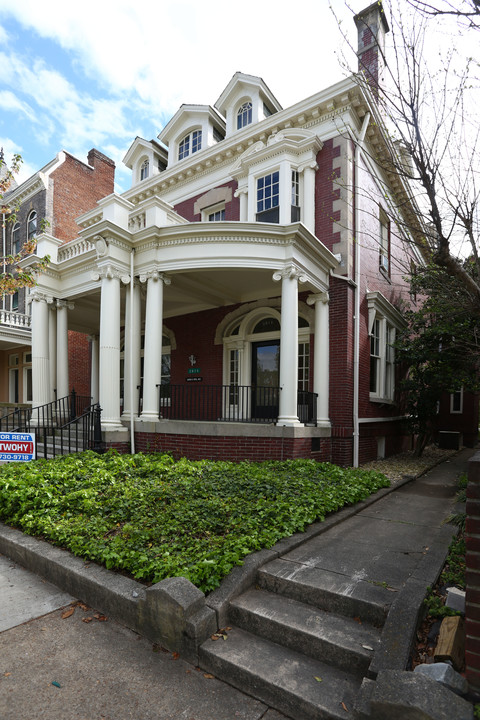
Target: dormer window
(144, 170)
(244, 115)
(190, 144)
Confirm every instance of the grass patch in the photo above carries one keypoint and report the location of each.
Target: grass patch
(153, 517)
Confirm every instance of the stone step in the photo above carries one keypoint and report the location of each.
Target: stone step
(336, 640)
(327, 590)
(298, 686)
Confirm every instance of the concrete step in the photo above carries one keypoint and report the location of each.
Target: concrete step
(326, 590)
(336, 640)
(300, 687)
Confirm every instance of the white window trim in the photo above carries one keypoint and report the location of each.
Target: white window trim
(210, 210)
(379, 308)
(452, 401)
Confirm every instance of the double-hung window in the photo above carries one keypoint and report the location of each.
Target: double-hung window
(190, 144)
(144, 170)
(384, 242)
(383, 321)
(32, 225)
(244, 115)
(268, 197)
(16, 238)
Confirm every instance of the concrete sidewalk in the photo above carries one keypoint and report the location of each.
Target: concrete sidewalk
(86, 667)
(381, 554)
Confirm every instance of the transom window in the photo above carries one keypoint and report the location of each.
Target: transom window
(32, 225)
(268, 192)
(244, 115)
(190, 144)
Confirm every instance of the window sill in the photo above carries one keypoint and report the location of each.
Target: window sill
(381, 400)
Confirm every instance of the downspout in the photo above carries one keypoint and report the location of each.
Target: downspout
(130, 379)
(356, 331)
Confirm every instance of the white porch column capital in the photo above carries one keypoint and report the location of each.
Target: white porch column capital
(154, 275)
(291, 272)
(59, 304)
(38, 296)
(111, 272)
(322, 297)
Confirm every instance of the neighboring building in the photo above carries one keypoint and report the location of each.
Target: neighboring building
(244, 294)
(457, 419)
(48, 204)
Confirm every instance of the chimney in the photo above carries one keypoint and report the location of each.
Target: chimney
(372, 27)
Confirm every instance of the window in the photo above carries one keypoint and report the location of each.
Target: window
(456, 402)
(384, 255)
(383, 322)
(144, 170)
(16, 238)
(190, 144)
(295, 214)
(244, 115)
(268, 197)
(216, 216)
(303, 366)
(14, 301)
(32, 225)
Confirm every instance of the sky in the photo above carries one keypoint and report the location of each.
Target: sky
(97, 74)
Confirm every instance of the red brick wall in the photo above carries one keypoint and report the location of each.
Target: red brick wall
(79, 363)
(76, 188)
(232, 209)
(325, 194)
(472, 609)
(465, 422)
(196, 447)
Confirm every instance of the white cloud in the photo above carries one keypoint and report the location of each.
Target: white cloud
(10, 102)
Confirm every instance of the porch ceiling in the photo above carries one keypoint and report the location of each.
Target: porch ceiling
(188, 292)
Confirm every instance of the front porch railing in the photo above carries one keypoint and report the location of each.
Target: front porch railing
(229, 403)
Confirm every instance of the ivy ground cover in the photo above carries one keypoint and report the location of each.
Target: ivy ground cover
(154, 517)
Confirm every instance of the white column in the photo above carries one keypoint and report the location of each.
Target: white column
(109, 371)
(285, 217)
(94, 367)
(40, 349)
(243, 195)
(132, 350)
(321, 362)
(152, 364)
(52, 350)
(62, 348)
(308, 203)
(288, 410)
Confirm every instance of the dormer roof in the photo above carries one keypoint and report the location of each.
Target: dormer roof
(241, 81)
(186, 116)
(139, 147)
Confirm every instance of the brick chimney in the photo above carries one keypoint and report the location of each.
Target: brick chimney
(372, 27)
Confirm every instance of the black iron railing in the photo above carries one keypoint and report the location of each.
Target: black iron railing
(81, 433)
(226, 403)
(69, 424)
(230, 403)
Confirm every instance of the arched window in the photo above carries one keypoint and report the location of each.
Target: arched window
(190, 144)
(144, 170)
(16, 238)
(32, 225)
(244, 115)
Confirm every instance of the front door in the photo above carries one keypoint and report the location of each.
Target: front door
(265, 379)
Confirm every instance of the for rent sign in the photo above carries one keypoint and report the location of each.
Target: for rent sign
(17, 447)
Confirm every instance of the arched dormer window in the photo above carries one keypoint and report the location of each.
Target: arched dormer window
(16, 238)
(32, 225)
(190, 144)
(144, 170)
(244, 115)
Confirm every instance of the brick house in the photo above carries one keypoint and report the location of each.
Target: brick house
(48, 203)
(242, 297)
